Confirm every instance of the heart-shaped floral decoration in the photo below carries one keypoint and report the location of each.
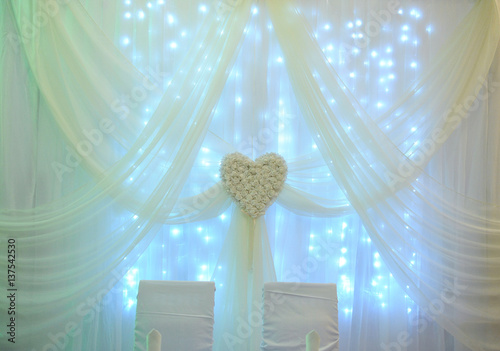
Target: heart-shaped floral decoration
(254, 186)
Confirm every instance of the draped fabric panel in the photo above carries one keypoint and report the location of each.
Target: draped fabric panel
(360, 157)
(68, 78)
(115, 116)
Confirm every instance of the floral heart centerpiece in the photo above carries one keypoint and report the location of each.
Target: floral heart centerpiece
(254, 186)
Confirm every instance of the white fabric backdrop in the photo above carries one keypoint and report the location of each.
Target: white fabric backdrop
(358, 97)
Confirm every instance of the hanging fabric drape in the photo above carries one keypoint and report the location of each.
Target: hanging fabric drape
(83, 82)
(244, 265)
(366, 162)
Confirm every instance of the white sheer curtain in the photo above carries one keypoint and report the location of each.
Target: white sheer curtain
(115, 115)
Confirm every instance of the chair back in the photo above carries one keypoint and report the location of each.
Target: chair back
(182, 312)
(293, 310)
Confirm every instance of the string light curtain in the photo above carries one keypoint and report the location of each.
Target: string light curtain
(384, 111)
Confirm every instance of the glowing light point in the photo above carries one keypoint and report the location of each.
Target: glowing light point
(415, 13)
(173, 45)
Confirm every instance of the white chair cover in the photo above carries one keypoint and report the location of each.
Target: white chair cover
(313, 341)
(183, 313)
(292, 310)
(154, 340)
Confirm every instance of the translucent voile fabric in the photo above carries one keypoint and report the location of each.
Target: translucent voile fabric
(106, 151)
